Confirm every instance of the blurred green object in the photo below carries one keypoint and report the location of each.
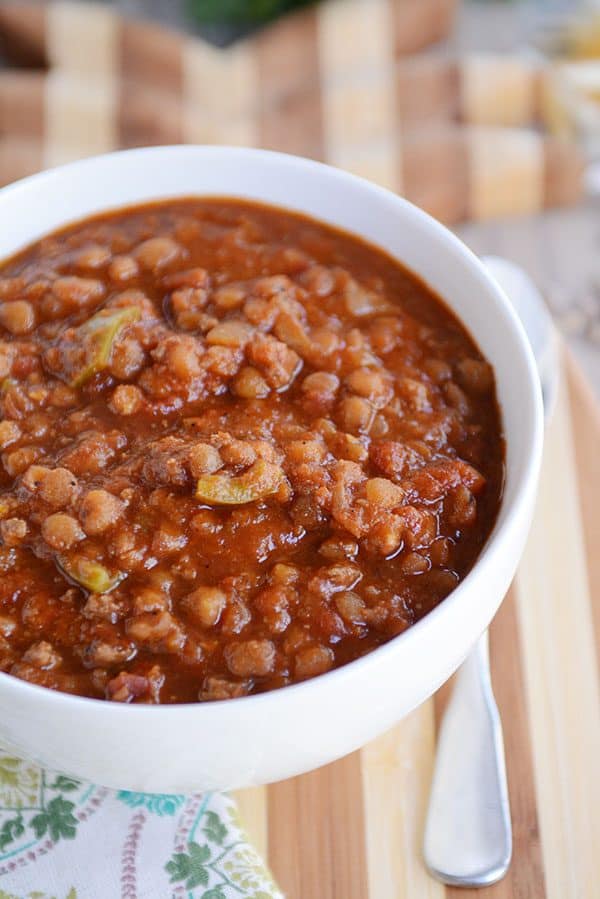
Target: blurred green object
(240, 12)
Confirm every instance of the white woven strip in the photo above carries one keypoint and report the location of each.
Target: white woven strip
(357, 71)
(219, 94)
(506, 169)
(81, 103)
(498, 90)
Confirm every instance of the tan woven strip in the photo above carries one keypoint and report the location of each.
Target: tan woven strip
(498, 90)
(151, 85)
(506, 168)
(561, 673)
(219, 94)
(151, 55)
(147, 116)
(356, 61)
(564, 167)
(23, 33)
(428, 90)
(419, 23)
(290, 113)
(21, 103)
(396, 775)
(436, 173)
(19, 157)
(82, 87)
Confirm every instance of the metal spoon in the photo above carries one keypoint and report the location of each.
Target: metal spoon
(468, 836)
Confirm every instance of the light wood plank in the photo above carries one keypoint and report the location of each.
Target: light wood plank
(525, 878)
(585, 412)
(397, 770)
(560, 672)
(252, 804)
(317, 833)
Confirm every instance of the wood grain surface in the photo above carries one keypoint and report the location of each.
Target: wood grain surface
(353, 830)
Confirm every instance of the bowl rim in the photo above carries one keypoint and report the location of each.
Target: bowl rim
(524, 489)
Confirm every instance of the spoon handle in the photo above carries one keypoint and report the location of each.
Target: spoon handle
(468, 837)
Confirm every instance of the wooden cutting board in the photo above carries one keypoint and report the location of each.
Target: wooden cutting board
(353, 829)
(324, 84)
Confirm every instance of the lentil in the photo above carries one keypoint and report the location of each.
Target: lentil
(238, 449)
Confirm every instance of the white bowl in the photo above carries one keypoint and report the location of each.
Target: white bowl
(267, 737)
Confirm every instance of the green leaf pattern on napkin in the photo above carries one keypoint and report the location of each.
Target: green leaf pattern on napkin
(158, 803)
(33, 804)
(226, 858)
(194, 846)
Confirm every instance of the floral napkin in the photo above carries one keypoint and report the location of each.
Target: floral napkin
(64, 839)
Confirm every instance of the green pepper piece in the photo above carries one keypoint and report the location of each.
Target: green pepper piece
(91, 575)
(97, 335)
(260, 480)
